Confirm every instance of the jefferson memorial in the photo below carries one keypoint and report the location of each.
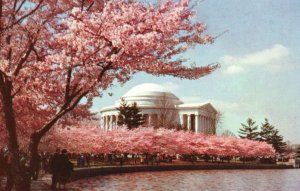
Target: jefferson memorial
(161, 108)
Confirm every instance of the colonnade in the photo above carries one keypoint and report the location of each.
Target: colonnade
(198, 123)
(191, 122)
(110, 122)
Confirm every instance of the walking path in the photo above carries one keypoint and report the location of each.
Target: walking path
(44, 183)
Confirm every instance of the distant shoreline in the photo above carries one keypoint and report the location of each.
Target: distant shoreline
(81, 173)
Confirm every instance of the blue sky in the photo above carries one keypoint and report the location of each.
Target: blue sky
(259, 74)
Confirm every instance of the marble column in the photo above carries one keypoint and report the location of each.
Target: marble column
(149, 120)
(197, 123)
(185, 122)
(181, 120)
(103, 122)
(106, 122)
(111, 122)
(114, 121)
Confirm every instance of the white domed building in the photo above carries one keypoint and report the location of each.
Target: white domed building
(161, 108)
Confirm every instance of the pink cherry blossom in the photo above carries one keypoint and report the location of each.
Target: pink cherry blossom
(151, 141)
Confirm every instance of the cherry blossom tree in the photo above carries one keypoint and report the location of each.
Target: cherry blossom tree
(150, 141)
(55, 53)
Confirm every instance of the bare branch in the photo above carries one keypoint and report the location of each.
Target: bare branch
(20, 6)
(16, 92)
(69, 99)
(38, 57)
(90, 6)
(24, 58)
(82, 3)
(107, 67)
(62, 112)
(29, 13)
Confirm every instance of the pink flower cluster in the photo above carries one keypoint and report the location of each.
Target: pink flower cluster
(149, 140)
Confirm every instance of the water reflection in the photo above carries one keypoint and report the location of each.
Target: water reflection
(207, 180)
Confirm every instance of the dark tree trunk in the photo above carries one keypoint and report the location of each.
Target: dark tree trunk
(17, 173)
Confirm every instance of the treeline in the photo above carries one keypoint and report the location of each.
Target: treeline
(265, 132)
(148, 140)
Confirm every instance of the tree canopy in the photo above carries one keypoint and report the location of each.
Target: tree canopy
(248, 130)
(271, 135)
(129, 115)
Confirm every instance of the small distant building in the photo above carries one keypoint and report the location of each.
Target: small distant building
(160, 107)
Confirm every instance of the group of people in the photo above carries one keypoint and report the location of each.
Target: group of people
(84, 160)
(58, 164)
(61, 168)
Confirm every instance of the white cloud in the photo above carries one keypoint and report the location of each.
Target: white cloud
(272, 57)
(233, 69)
(267, 56)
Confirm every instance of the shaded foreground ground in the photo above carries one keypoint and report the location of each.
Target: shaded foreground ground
(44, 182)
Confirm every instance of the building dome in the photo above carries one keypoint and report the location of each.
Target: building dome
(151, 95)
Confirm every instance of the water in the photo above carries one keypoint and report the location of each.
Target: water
(206, 180)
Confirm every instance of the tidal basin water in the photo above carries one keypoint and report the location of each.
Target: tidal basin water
(206, 180)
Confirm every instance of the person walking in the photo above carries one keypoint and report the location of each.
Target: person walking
(65, 169)
(54, 167)
(36, 167)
